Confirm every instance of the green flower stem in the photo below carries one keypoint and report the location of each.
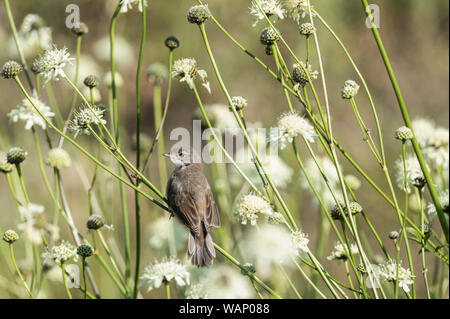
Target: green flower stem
(22, 183)
(19, 273)
(405, 115)
(137, 204)
(422, 251)
(160, 143)
(110, 256)
(167, 286)
(247, 138)
(65, 281)
(250, 275)
(256, 290)
(38, 85)
(291, 284)
(18, 45)
(83, 267)
(12, 188)
(54, 104)
(111, 274)
(349, 278)
(315, 288)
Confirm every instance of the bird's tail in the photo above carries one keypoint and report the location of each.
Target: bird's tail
(201, 250)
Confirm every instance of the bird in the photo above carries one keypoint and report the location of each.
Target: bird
(191, 199)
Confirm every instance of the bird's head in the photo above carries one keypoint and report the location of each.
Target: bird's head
(182, 156)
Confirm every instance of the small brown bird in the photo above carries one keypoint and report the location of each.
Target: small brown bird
(191, 199)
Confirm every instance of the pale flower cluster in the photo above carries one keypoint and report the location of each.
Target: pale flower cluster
(25, 112)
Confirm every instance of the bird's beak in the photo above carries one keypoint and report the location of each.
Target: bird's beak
(166, 154)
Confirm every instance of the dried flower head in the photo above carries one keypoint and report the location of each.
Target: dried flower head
(10, 236)
(300, 74)
(27, 113)
(16, 155)
(341, 253)
(403, 134)
(307, 29)
(186, 71)
(52, 63)
(95, 222)
(270, 8)
(291, 125)
(91, 81)
(58, 158)
(239, 102)
(85, 118)
(349, 89)
(61, 253)
(388, 272)
(165, 271)
(198, 14)
(85, 251)
(250, 207)
(172, 42)
(268, 36)
(11, 69)
(354, 209)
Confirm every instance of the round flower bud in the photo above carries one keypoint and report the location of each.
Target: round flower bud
(198, 14)
(172, 42)
(95, 222)
(10, 236)
(58, 158)
(361, 269)
(91, 81)
(80, 29)
(349, 90)
(248, 269)
(403, 134)
(157, 72)
(85, 251)
(16, 155)
(307, 29)
(355, 208)
(269, 50)
(393, 235)
(239, 102)
(11, 69)
(36, 67)
(268, 36)
(299, 75)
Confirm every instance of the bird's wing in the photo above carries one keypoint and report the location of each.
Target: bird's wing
(187, 211)
(211, 212)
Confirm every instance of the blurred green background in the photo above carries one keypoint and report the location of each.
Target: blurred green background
(415, 33)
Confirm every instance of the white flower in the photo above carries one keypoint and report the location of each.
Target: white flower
(52, 63)
(167, 270)
(291, 125)
(25, 112)
(341, 253)
(413, 172)
(388, 272)
(226, 282)
(296, 9)
(128, 5)
(186, 71)
(300, 241)
(269, 8)
(58, 158)
(249, 208)
(197, 291)
(443, 199)
(32, 222)
(267, 246)
(85, 117)
(61, 253)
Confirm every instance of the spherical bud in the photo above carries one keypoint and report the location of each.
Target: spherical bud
(239, 102)
(172, 42)
(355, 208)
(349, 90)
(393, 235)
(10, 236)
(361, 269)
(58, 158)
(95, 222)
(80, 28)
(157, 72)
(198, 14)
(268, 36)
(16, 155)
(307, 29)
(91, 81)
(248, 269)
(269, 50)
(11, 69)
(85, 251)
(404, 134)
(299, 75)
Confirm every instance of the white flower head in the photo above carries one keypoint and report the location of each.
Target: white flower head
(84, 118)
(270, 8)
(52, 63)
(414, 172)
(34, 35)
(61, 253)
(186, 71)
(226, 282)
(26, 112)
(296, 9)
(167, 270)
(250, 207)
(128, 5)
(197, 291)
(341, 253)
(300, 241)
(58, 158)
(32, 222)
(388, 273)
(289, 126)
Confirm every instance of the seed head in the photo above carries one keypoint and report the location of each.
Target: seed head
(172, 42)
(307, 29)
(91, 81)
(16, 155)
(198, 14)
(355, 208)
(299, 73)
(349, 90)
(95, 222)
(85, 251)
(11, 69)
(404, 134)
(239, 102)
(80, 29)
(393, 235)
(268, 36)
(10, 236)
